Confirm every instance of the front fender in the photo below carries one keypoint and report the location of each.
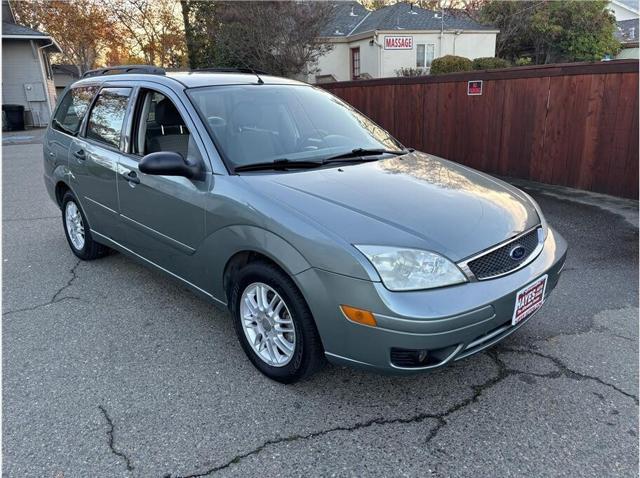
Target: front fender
(223, 244)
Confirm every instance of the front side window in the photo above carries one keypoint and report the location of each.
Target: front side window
(106, 119)
(253, 124)
(72, 109)
(160, 127)
(424, 55)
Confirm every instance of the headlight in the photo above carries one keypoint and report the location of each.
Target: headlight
(412, 269)
(543, 221)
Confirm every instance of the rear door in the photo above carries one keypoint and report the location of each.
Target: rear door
(93, 160)
(65, 126)
(163, 215)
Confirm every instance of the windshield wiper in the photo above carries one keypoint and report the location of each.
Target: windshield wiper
(361, 152)
(355, 155)
(279, 164)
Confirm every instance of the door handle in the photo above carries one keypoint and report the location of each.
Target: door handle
(80, 154)
(132, 177)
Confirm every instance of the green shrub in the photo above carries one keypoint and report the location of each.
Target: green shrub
(408, 71)
(489, 63)
(450, 64)
(523, 61)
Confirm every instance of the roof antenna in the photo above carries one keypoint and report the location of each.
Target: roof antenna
(260, 82)
(252, 70)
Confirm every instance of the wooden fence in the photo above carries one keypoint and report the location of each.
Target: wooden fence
(571, 124)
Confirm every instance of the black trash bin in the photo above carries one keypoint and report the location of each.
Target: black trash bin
(14, 115)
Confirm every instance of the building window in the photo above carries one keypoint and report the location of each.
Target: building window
(424, 55)
(355, 63)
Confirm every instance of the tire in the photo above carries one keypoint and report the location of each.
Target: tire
(307, 355)
(88, 249)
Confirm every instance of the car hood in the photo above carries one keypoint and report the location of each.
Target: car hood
(416, 200)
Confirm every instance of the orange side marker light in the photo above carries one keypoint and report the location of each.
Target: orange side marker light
(359, 316)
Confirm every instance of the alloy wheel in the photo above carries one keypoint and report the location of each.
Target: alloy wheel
(74, 224)
(267, 324)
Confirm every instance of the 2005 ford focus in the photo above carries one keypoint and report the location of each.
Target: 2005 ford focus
(322, 234)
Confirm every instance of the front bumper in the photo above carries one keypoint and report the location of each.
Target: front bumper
(451, 322)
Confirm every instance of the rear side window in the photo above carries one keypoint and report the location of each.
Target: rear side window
(106, 119)
(72, 109)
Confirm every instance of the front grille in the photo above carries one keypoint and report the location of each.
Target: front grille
(500, 261)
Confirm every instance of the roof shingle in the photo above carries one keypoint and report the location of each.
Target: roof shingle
(346, 16)
(627, 31)
(351, 18)
(15, 29)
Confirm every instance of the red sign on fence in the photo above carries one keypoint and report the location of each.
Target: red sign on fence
(474, 88)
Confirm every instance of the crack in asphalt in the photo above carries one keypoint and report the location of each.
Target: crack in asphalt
(375, 421)
(564, 371)
(503, 373)
(110, 431)
(74, 276)
(56, 296)
(441, 419)
(39, 306)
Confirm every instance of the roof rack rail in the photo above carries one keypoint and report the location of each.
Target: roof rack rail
(224, 69)
(119, 70)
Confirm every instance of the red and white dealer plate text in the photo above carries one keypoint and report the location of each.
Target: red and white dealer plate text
(529, 300)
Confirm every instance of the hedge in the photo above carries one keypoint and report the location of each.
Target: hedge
(450, 64)
(490, 63)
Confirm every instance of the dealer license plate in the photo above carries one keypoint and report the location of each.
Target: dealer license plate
(529, 300)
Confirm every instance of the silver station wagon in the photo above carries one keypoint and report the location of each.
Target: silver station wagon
(322, 234)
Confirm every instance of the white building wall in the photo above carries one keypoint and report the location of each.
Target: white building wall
(21, 65)
(335, 63)
(622, 13)
(469, 45)
(380, 63)
(628, 53)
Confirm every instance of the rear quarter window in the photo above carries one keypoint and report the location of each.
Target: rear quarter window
(72, 109)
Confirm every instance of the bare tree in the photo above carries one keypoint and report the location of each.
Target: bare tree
(278, 37)
(83, 29)
(153, 29)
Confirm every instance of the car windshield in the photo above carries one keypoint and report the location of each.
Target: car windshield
(262, 123)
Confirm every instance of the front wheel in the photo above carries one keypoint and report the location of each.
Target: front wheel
(274, 324)
(77, 230)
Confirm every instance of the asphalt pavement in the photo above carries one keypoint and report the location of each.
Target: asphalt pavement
(110, 369)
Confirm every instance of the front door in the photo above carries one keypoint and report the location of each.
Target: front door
(163, 216)
(93, 161)
(355, 63)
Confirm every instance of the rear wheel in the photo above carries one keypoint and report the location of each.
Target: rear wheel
(77, 230)
(274, 324)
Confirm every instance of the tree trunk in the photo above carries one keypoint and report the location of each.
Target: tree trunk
(188, 33)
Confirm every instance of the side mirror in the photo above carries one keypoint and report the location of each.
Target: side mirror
(168, 163)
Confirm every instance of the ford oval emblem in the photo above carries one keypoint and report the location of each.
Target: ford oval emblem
(517, 252)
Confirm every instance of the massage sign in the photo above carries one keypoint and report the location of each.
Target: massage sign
(395, 42)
